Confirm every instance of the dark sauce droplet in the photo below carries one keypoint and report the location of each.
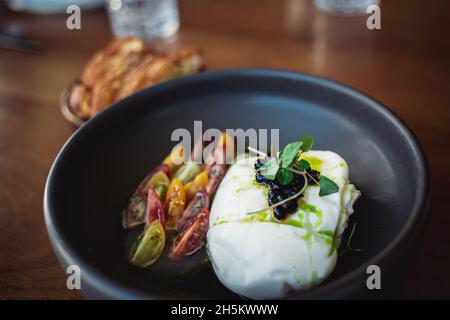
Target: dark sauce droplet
(313, 174)
(279, 192)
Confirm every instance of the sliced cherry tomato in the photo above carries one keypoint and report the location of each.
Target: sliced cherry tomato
(135, 212)
(222, 151)
(200, 181)
(175, 203)
(148, 246)
(215, 176)
(218, 153)
(160, 183)
(197, 152)
(143, 186)
(196, 205)
(192, 237)
(187, 172)
(155, 210)
(175, 159)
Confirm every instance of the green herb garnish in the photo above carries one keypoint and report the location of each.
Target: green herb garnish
(292, 150)
(303, 164)
(307, 143)
(270, 169)
(289, 153)
(289, 163)
(327, 186)
(349, 247)
(285, 176)
(287, 157)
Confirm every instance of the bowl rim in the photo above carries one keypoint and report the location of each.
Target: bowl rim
(112, 288)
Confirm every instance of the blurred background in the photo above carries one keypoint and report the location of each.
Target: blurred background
(405, 65)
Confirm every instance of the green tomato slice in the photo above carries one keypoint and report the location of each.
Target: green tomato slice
(148, 246)
(160, 183)
(187, 172)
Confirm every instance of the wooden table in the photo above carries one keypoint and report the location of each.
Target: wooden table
(405, 65)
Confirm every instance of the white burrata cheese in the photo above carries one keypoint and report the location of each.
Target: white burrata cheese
(261, 258)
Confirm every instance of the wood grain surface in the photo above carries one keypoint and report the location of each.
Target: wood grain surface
(405, 65)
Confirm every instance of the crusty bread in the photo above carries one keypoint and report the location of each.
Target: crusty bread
(153, 70)
(124, 66)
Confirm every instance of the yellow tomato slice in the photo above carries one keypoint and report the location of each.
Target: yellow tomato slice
(175, 203)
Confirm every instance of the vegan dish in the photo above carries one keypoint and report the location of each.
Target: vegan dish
(272, 223)
(123, 67)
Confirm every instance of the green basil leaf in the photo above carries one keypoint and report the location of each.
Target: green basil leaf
(327, 186)
(303, 164)
(307, 143)
(289, 153)
(269, 169)
(285, 176)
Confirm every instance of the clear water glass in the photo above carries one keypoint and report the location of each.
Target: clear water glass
(349, 7)
(144, 18)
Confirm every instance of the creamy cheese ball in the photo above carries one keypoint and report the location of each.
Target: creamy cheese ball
(261, 258)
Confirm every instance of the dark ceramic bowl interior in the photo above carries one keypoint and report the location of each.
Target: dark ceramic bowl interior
(100, 166)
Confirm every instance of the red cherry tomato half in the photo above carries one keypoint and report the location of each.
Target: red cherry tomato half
(192, 237)
(135, 212)
(215, 175)
(216, 157)
(155, 209)
(143, 186)
(197, 204)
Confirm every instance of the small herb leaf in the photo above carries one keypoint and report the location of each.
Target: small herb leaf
(289, 153)
(285, 176)
(270, 169)
(327, 186)
(307, 143)
(303, 164)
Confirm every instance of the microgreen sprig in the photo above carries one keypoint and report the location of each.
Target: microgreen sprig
(288, 162)
(278, 165)
(260, 153)
(348, 246)
(298, 194)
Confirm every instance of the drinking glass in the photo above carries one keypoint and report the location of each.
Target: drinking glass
(144, 18)
(349, 7)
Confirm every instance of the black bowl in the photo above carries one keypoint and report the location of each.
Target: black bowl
(99, 167)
